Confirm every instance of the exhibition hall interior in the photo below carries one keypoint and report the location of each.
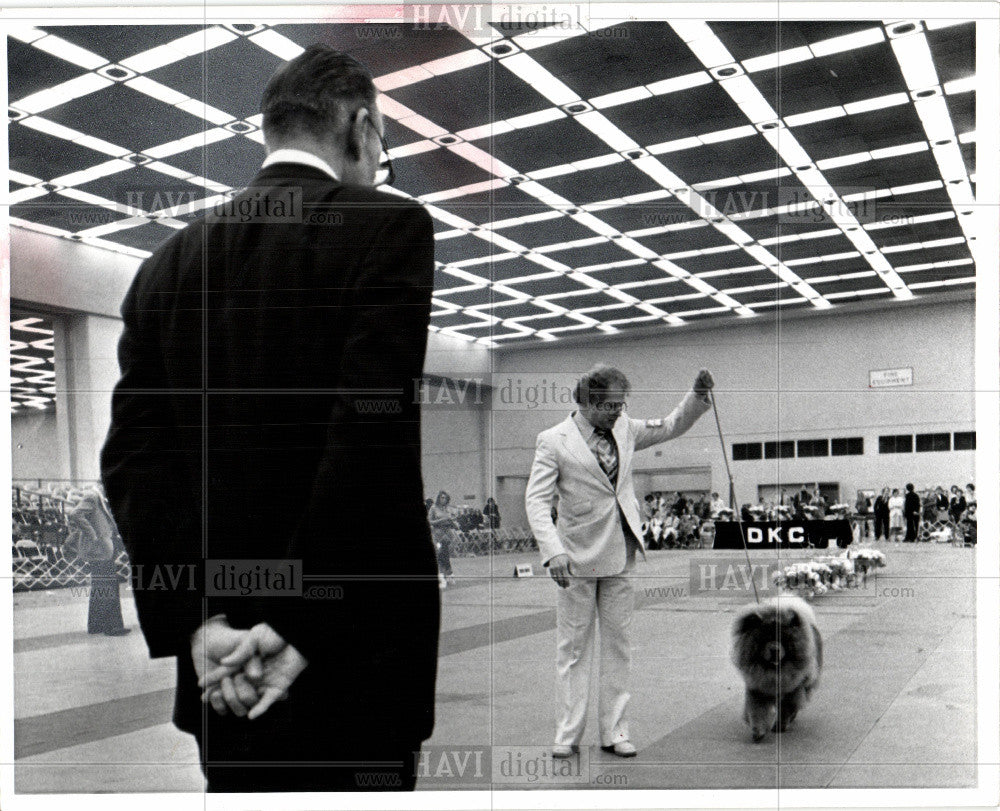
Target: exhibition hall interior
(790, 204)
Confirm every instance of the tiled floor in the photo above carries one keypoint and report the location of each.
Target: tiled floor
(896, 706)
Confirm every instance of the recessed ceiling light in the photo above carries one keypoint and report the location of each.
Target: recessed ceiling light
(679, 83)
(848, 42)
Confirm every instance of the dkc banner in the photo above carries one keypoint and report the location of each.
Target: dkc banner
(784, 535)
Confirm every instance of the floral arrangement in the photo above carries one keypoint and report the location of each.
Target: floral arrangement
(815, 577)
(841, 509)
(805, 577)
(865, 559)
(842, 574)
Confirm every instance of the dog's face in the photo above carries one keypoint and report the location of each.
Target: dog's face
(773, 637)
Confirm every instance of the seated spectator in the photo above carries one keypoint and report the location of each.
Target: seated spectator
(969, 525)
(669, 535)
(648, 507)
(745, 514)
(706, 534)
(680, 505)
(687, 530)
(653, 533)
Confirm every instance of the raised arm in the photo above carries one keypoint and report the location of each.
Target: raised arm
(695, 403)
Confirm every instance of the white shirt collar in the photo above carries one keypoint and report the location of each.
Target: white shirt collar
(586, 426)
(299, 156)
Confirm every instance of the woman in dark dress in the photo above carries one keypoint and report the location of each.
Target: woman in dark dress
(492, 513)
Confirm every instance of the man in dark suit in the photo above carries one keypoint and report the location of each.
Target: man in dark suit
(267, 359)
(911, 512)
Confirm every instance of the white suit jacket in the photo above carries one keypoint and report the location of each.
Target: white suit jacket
(588, 528)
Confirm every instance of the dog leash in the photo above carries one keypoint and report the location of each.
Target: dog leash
(732, 496)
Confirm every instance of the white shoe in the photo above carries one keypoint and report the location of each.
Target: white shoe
(442, 583)
(622, 749)
(563, 751)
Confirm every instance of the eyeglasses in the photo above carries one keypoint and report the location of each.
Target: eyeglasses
(384, 175)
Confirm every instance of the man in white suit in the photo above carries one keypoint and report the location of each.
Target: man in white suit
(586, 460)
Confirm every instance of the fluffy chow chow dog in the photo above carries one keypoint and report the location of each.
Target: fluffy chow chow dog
(779, 652)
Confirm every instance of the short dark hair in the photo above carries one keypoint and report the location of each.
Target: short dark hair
(315, 93)
(909, 488)
(601, 378)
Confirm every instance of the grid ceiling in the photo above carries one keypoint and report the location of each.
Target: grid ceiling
(582, 182)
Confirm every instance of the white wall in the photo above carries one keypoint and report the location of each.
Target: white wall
(800, 378)
(455, 446)
(36, 452)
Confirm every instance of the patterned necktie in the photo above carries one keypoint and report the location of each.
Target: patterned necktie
(607, 453)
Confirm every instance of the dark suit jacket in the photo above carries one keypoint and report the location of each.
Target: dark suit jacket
(264, 412)
(911, 504)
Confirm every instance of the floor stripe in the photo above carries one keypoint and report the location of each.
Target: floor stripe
(33, 643)
(91, 722)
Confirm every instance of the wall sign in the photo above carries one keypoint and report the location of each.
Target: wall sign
(783, 534)
(887, 378)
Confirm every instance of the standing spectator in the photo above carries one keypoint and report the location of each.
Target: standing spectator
(941, 504)
(929, 506)
(252, 341)
(911, 511)
(957, 505)
(862, 508)
(970, 494)
(881, 511)
(443, 524)
(680, 506)
(717, 505)
(820, 504)
(702, 508)
(93, 530)
(491, 512)
(896, 503)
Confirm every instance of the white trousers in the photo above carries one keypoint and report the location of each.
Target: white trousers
(587, 607)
